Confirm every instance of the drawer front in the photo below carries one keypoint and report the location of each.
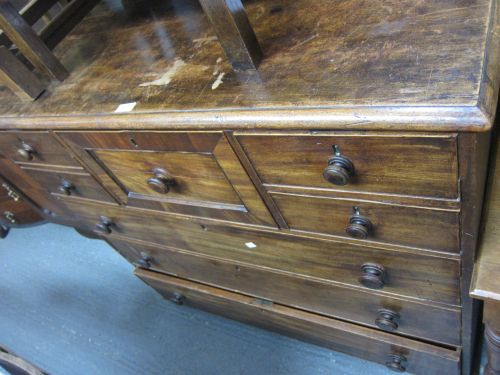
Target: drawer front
(69, 183)
(191, 173)
(403, 164)
(385, 223)
(35, 148)
(411, 318)
(418, 358)
(403, 273)
(15, 213)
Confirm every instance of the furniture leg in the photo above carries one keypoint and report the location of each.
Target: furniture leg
(492, 334)
(28, 42)
(231, 24)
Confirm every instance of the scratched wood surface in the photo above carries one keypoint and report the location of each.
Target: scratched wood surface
(321, 53)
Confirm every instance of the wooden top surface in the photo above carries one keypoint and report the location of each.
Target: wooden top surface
(486, 276)
(343, 57)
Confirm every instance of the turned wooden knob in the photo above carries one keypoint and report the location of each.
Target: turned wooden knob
(26, 152)
(339, 170)
(4, 231)
(66, 187)
(387, 320)
(104, 225)
(372, 276)
(145, 260)
(396, 363)
(161, 182)
(359, 227)
(177, 298)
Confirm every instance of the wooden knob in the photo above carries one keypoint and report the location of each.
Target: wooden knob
(4, 231)
(161, 182)
(66, 187)
(26, 152)
(359, 227)
(145, 260)
(387, 320)
(339, 170)
(177, 298)
(396, 363)
(372, 276)
(104, 225)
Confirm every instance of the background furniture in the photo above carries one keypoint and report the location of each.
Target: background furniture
(333, 195)
(17, 34)
(486, 278)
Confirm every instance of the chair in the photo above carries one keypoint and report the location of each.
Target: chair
(22, 48)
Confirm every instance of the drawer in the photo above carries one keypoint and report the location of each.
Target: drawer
(369, 308)
(190, 173)
(420, 276)
(68, 183)
(35, 148)
(16, 213)
(402, 164)
(371, 221)
(387, 349)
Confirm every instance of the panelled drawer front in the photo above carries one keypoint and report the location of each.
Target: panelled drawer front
(418, 358)
(69, 183)
(191, 173)
(409, 226)
(407, 274)
(414, 319)
(403, 164)
(35, 148)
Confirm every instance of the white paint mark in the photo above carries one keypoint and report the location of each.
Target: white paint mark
(218, 81)
(125, 107)
(166, 78)
(250, 245)
(199, 42)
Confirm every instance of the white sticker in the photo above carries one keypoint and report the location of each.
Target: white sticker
(125, 107)
(250, 245)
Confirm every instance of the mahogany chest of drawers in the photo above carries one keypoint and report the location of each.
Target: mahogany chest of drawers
(333, 195)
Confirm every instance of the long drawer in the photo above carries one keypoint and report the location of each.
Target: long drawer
(425, 277)
(397, 353)
(368, 308)
(422, 165)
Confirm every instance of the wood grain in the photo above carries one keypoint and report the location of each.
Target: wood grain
(409, 164)
(419, 46)
(390, 223)
(428, 321)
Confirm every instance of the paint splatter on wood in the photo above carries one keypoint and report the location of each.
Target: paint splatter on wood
(218, 81)
(166, 78)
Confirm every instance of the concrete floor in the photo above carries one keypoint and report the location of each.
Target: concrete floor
(71, 306)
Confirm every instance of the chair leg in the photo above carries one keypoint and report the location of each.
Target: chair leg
(231, 24)
(17, 77)
(28, 42)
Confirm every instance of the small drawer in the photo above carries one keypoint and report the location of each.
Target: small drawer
(409, 274)
(398, 353)
(69, 183)
(402, 164)
(371, 221)
(385, 312)
(35, 148)
(18, 213)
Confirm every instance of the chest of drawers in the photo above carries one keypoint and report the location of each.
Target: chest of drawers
(333, 195)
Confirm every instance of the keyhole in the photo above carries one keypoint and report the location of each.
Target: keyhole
(336, 150)
(133, 142)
